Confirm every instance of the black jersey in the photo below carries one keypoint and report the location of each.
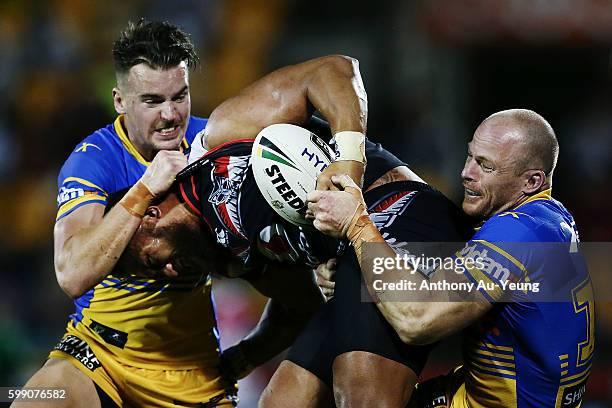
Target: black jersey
(221, 189)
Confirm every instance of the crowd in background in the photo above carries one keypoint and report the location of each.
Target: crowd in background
(433, 70)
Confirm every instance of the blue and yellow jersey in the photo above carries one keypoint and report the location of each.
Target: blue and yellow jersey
(527, 353)
(148, 323)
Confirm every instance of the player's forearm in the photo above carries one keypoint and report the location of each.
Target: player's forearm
(409, 319)
(432, 315)
(88, 254)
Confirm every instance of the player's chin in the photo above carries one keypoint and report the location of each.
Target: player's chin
(165, 143)
(472, 206)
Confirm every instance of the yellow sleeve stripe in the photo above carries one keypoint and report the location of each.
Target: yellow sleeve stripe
(563, 365)
(480, 276)
(496, 347)
(563, 356)
(493, 370)
(512, 259)
(509, 366)
(86, 183)
(491, 354)
(94, 198)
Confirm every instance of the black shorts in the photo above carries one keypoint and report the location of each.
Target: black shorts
(408, 212)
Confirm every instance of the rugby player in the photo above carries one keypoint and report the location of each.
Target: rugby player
(130, 340)
(349, 355)
(518, 352)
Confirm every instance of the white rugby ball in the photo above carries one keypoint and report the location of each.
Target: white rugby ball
(286, 161)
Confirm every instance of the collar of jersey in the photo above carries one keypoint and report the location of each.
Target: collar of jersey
(542, 195)
(130, 147)
(126, 142)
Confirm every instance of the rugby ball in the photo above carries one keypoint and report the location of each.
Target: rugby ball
(286, 161)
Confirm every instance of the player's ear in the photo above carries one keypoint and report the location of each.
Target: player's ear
(534, 181)
(118, 101)
(153, 212)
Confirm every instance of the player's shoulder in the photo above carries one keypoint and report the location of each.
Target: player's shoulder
(536, 221)
(99, 145)
(508, 226)
(196, 125)
(94, 157)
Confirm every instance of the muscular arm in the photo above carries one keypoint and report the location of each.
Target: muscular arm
(87, 243)
(332, 85)
(429, 318)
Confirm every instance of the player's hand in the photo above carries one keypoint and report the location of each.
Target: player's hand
(234, 364)
(162, 171)
(325, 278)
(353, 169)
(335, 211)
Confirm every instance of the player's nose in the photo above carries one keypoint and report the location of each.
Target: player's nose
(469, 171)
(168, 111)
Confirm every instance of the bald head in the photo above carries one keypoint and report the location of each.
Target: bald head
(534, 142)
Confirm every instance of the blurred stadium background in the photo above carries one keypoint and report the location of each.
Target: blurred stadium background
(433, 70)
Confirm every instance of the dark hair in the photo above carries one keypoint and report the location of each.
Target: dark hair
(157, 44)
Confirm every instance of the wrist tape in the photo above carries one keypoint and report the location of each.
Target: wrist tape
(137, 200)
(350, 145)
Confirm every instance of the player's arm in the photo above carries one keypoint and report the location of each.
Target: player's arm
(332, 85)
(426, 320)
(87, 243)
(294, 298)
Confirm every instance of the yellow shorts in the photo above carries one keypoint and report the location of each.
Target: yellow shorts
(445, 391)
(139, 387)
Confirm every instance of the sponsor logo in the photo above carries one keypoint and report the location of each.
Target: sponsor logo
(572, 396)
(285, 190)
(67, 194)
(80, 350)
(314, 159)
(83, 147)
(489, 266)
(111, 336)
(277, 155)
(325, 149)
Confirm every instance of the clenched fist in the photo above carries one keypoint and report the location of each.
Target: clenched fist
(335, 211)
(162, 171)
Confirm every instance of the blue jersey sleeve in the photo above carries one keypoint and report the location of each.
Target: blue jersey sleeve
(85, 178)
(498, 253)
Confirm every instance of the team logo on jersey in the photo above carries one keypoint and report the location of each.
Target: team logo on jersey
(83, 147)
(222, 191)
